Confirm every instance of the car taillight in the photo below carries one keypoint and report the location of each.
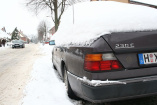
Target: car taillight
(101, 62)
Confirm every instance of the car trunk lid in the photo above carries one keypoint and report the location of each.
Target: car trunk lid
(128, 45)
(131, 42)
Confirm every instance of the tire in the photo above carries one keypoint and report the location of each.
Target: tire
(23, 46)
(54, 66)
(68, 87)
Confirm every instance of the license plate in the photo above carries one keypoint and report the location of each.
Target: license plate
(147, 58)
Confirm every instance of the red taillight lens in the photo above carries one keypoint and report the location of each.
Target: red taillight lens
(101, 64)
(105, 65)
(92, 65)
(116, 65)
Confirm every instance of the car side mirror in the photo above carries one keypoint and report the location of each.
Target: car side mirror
(52, 42)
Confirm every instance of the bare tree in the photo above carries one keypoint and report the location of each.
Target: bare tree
(71, 2)
(42, 31)
(56, 7)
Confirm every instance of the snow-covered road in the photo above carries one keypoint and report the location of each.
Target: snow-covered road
(15, 69)
(28, 78)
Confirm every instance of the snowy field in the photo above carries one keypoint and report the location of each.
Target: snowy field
(45, 86)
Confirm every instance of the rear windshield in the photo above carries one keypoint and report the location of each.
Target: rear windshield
(16, 41)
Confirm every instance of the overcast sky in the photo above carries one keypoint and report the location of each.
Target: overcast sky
(13, 13)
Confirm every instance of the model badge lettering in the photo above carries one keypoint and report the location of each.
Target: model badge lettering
(118, 46)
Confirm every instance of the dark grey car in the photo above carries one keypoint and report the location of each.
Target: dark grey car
(118, 66)
(107, 51)
(18, 43)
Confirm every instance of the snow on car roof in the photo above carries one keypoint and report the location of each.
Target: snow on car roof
(84, 22)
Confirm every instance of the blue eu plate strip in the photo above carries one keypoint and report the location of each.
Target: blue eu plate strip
(141, 60)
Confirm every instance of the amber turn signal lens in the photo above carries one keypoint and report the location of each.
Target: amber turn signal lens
(93, 57)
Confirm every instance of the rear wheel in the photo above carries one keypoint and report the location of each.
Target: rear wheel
(54, 66)
(68, 87)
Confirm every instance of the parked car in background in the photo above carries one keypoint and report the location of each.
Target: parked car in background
(46, 42)
(18, 44)
(52, 42)
(108, 51)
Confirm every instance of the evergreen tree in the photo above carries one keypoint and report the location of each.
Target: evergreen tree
(15, 34)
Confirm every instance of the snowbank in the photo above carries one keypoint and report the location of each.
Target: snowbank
(45, 87)
(93, 19)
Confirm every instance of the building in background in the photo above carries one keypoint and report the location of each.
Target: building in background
(150, 3)
(23, 37)
(3, 29)
(124, 1)
(19, 35)
(4, 35)
(51, 32)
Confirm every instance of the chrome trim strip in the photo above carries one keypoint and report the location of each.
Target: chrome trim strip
(113, 82)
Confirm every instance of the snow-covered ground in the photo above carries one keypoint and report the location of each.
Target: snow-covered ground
(45, 86)
(9, 46)
(3, 48)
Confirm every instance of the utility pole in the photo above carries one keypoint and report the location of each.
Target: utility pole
(73, 14)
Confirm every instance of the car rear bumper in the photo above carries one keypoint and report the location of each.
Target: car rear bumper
(109, 91)
(119, 92)
(14, 46)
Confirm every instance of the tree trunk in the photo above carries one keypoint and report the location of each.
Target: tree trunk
(56, 15)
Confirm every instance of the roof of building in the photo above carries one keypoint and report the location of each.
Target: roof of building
(147, 2)
(4, 34)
